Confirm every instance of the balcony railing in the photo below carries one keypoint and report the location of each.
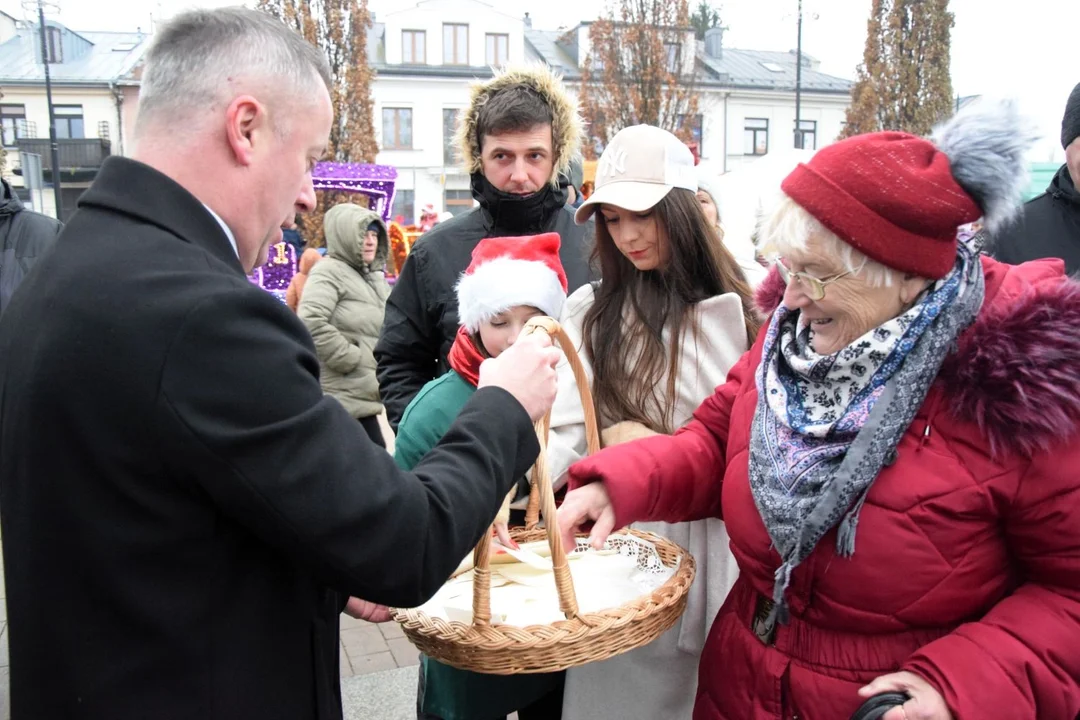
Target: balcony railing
(74, 155)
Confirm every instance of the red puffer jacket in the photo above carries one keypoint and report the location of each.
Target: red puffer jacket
(967, 557)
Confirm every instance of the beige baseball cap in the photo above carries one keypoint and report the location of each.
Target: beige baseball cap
(639, 167)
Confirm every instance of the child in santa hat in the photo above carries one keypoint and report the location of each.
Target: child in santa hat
(509, 281)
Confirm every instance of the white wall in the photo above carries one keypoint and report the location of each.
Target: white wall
(7, 27)
(97, 104)
(422, 169)
(429, 16)
(779, 109)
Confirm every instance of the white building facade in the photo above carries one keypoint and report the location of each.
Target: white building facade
(426, 55)
(93, 92)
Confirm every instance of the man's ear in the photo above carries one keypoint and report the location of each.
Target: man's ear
(245, 117)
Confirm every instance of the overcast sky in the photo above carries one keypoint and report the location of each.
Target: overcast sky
(1029, 50)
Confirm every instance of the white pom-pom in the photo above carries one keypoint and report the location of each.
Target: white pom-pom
(987, 144)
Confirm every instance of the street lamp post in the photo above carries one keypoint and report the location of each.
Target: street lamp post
(53, 144)
(798, 84)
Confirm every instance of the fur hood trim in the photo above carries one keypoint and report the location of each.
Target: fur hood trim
(1016, 371)
(567, 127)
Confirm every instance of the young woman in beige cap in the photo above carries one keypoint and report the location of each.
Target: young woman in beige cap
(657, 335)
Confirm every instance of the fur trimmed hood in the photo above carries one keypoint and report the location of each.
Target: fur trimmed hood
(1016, 371)
(567, 127)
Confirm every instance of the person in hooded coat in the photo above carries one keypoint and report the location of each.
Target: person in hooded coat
(342, 307)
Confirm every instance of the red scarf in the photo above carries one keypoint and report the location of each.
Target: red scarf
(465, 357)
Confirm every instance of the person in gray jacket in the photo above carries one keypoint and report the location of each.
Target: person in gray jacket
(25, 236)
(343, 305)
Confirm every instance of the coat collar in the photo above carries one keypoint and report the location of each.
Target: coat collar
(1016, 371)
(132, 188)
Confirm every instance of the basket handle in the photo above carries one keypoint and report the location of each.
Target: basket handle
(541, 492)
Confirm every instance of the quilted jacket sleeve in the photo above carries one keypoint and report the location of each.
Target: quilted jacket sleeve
(1024, 655)
(673, 478)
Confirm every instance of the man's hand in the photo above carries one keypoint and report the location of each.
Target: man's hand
(590, 502)
(364, 610)
(526, 370)
(926, 703)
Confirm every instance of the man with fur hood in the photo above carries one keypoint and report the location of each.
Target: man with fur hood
(517, 139)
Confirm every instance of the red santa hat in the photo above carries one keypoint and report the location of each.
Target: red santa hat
(509, 271)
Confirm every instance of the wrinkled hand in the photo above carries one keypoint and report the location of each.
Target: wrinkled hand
(526, 370)
(588, 503)
(364, 610)
(926, 703)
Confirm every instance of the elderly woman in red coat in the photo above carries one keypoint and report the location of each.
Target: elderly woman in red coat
(897, 459)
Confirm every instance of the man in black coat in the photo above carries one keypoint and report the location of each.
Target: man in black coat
(184, 512)
(1050, 225)
(518, 138)
(25, 237)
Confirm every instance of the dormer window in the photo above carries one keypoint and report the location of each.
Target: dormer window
(54, 48)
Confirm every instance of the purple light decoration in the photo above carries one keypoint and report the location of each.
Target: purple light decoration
(375, 181)
(277, 273)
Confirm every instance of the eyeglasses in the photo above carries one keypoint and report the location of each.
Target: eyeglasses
(812, 286)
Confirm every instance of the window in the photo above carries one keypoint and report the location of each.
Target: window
(404, 206)
(12, 123)
(455, 40)
(458, 201)
(673, 58)
(756, 134)
(449, 127)
(69, 122)
(498, 49)
(397, 128)
(772, 67)
(54, 48)
(694, 123)
(806, 135)
(413, 47)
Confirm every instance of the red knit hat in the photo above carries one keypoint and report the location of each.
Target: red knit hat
(510, 271)
(891, 195)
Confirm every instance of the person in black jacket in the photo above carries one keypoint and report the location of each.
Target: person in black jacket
(25, 236)
(184, 512)
(518, 138)
(1050, 225)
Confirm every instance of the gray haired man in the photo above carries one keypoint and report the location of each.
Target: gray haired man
(184, 513)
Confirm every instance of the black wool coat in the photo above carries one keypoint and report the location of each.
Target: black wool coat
(184, 512)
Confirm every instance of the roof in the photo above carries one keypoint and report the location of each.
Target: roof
(769, 69)
(111, 56)
(749, 69)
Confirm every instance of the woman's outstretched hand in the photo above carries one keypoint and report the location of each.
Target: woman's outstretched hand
(589, 503)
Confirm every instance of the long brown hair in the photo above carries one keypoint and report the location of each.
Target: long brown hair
(632, 308)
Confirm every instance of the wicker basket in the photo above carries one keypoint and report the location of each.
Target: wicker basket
(582, 637)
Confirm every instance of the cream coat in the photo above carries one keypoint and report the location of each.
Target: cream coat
(660, 679)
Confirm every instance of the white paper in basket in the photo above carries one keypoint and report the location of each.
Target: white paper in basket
(627, 568)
